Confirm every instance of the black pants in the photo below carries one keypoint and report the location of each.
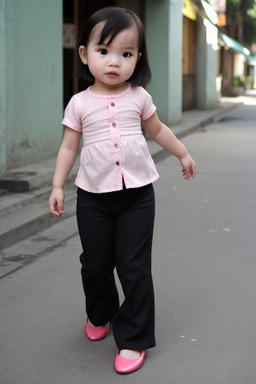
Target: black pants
(116, 230)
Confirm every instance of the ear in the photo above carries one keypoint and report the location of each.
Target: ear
(83, 54)
(139, 56)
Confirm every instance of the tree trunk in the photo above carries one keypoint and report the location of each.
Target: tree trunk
(239, 18)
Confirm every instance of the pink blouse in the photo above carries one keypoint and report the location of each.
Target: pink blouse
(113, 144)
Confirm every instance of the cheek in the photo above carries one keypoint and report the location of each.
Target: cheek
(91, 59)
(131, 66)
(94, 63)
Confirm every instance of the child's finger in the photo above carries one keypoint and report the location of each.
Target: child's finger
(54, 209)
(193, 172)
(188, 173)
(61, 209)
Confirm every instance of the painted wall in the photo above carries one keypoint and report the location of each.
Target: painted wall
(33, 80)
(239, 64)
(206, 64)
(2, 88)
(134, 5)
(164, 38)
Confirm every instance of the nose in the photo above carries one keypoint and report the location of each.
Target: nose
(114, 61)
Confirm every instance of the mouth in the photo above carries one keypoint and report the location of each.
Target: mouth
(112, 75)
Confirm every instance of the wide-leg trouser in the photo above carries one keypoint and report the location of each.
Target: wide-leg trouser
(116, 230)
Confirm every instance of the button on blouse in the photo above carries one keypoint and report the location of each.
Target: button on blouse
(114, 147)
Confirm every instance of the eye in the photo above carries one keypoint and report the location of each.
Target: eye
(103, 51)
(127, 54)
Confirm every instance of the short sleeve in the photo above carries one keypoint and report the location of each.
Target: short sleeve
(148, 108)
(72, 115)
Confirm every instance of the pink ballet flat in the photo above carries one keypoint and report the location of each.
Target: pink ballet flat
(95, 333)
(123, 365)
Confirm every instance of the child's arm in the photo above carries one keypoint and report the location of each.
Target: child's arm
(163, 136)
(64, 163)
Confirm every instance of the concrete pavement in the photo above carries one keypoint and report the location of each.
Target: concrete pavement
(204, 272)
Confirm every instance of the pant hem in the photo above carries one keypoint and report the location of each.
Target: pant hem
(136, 347)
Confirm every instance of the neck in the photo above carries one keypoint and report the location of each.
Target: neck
(111, 90)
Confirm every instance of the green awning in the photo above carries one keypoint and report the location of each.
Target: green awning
(233, 44)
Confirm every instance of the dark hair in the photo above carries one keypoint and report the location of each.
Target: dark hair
(117, 19)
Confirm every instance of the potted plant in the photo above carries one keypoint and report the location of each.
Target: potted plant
(247, 82)
(238, 86)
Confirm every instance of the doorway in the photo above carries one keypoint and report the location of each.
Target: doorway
(75, 14)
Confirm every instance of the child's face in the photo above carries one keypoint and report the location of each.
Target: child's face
(113, 64)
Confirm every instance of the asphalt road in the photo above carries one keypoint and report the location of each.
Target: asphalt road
(204, 272)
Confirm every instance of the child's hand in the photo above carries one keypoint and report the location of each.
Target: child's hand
(188, 167)
(56, 202)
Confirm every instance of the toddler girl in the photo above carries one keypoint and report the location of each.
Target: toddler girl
(115, 203)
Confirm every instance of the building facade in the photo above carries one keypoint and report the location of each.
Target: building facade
(30, 81)
(38, 66)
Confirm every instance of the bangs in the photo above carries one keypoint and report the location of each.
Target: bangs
(113, 26)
